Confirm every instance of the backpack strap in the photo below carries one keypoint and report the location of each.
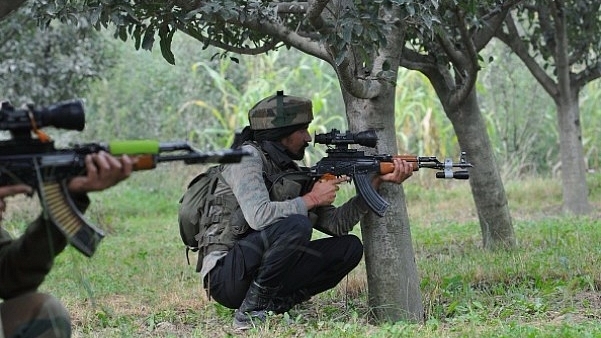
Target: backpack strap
(208, 243)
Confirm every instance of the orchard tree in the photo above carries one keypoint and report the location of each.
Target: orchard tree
(361, 39)
(559, 41)
(42, 66)
(449, 58)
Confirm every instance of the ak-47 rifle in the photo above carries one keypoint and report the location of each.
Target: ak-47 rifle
(342, 161)
(37, 163)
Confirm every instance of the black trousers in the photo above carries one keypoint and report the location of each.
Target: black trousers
(283, 256)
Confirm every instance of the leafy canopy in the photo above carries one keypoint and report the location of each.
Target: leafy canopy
(247, 27)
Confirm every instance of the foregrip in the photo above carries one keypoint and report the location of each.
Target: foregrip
(147, 150)
(364, 188)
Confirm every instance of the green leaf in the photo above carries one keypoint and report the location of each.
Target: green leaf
(148, 39)
(166, 36)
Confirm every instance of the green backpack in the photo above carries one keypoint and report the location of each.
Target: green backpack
(193, 205)
(197, 227)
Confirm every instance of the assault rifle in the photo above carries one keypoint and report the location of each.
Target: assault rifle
(36, 162)
(342, 161)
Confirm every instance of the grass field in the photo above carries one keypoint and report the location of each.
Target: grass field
(139, 284)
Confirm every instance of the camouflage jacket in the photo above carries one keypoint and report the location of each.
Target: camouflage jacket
(25, 261)
(246, 180)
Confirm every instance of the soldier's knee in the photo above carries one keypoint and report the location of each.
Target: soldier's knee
(38, 315)
(300, 224)
(53, 307)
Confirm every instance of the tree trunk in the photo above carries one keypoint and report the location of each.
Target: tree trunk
(573, 168)
(485, 181)
(563, 87)
(7, 7)
(392, 278)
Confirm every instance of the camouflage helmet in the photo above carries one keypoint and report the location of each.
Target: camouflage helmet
(280, 111)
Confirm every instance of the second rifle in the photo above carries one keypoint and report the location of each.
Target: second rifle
(354, 163)
(36, 162)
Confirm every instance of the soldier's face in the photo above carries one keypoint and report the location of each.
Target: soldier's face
(296, 143)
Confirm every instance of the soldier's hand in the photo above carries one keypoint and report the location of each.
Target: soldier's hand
(103, 171)
(402, 171)
(323, 192)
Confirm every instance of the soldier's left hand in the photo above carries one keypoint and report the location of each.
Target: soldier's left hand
(402, 171)
(102, 171)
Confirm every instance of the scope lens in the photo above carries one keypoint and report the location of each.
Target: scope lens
(64, 115)
(366, 138)
(322, 139)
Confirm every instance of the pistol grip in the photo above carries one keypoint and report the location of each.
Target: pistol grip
(327, 177)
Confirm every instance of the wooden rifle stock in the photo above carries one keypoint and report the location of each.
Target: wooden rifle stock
(388, 167)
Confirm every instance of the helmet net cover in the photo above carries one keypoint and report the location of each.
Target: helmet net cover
(280, 111)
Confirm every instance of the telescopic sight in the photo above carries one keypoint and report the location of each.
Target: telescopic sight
(63, 115)
(367, 138)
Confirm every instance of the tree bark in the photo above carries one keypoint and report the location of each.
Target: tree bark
(485, 181)
(573, 172)
(573, 167)
(7, 7)
(392, 278)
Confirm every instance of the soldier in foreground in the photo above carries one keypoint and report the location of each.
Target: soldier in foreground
(25, 261)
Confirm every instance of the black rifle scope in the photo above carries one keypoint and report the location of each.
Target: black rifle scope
(367, 138)
(64, 115)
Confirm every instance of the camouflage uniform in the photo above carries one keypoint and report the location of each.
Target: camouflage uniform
(276, 265)
(24, 264)
(246, 181)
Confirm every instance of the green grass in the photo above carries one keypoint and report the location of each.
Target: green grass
(139, 284)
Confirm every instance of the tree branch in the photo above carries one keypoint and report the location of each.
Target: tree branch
(7, 7)
(562, 66)
(416, 61)
(266, 47)
(548, 32)
(289, 37)
(427, 65)
(314, 15)
(279, 32)
(512, 39)
(492, 22)
(590, 73)
(471, 66)
(368, 83)
(468, 64)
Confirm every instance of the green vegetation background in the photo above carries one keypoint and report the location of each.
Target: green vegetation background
(139, 284)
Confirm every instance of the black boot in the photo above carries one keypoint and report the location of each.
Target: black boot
(282, 304)
(254, 307)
